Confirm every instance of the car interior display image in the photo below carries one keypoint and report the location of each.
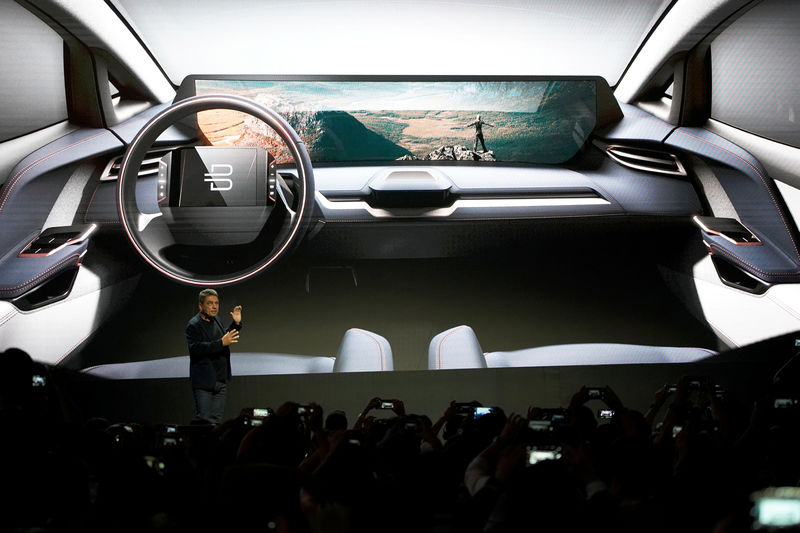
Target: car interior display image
(340, 121)
(571, 227)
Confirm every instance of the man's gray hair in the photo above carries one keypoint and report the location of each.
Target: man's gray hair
(204, 294)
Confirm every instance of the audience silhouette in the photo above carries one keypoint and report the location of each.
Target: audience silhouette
(691, 463)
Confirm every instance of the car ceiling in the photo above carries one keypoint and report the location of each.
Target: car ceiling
(475, 37)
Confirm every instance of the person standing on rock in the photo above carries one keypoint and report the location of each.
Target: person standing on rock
(478, 123)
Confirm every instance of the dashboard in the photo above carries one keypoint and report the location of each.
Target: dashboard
(599, 158)
(377, 158)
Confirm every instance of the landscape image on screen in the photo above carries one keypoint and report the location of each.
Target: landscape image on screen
(362, 121)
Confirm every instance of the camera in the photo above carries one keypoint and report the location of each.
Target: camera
(252, 422)
(301, 409)
(463, 408)
(698, 382)
(594, 393)
(169, 436)
(540, 425)
(353, 437)
(537, 454)
(154, 463)
(555, 415)
(386, 404)
(776, 508)
(478, 412)
(412, 425)
(605, 414)
(38, 380)
(262, 413)
(785, 403)
(167, 441)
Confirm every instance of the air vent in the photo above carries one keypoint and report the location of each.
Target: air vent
(149, 164)
(645, 159)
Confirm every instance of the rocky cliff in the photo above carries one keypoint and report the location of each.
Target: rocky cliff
(453, 153)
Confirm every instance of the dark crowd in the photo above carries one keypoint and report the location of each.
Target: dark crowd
(700, 459)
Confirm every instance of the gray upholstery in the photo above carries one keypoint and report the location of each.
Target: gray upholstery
(757, 201)
(279, 363)
(242, 364)
(27, 199)
(595, 354)
(363, 351)
(459, 348)
(34, 185)
(18, 275)
(360, 351)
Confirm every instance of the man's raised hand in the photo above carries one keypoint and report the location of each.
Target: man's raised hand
(236, 314)
(231, 337)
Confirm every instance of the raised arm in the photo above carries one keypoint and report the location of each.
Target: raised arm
(448, 413)
(236, 316)
(372, 404)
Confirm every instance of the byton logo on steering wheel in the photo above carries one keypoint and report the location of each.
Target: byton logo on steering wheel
(217, 179)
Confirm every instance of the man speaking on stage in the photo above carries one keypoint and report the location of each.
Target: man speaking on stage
(210, 356)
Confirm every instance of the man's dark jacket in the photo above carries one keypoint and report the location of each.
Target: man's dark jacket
(209, 360)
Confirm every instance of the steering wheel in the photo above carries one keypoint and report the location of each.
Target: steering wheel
(184, 223)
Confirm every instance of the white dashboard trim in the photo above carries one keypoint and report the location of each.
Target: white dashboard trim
(458, 204)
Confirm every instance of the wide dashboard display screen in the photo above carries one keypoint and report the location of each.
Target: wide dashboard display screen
(363, 121)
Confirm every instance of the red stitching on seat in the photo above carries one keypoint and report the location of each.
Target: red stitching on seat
(370, 336)
(739, 259)
(8, 317)
(33, 279)
(13, 181)
(763, 180)
(89, 205)
(132, 122)
(439, 345)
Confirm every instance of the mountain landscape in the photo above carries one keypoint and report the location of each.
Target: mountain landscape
(328, 135)
(562, 121)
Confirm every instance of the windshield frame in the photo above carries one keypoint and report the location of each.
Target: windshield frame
(527, 22)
